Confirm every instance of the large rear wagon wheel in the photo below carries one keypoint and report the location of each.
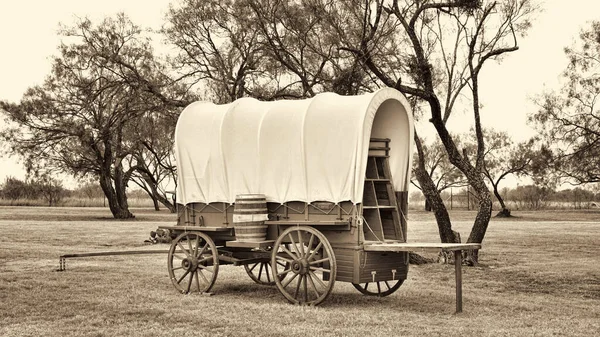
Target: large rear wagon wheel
(193, 263)
(379, 289)
(304, 271)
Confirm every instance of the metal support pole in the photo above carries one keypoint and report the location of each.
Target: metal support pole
(458, 276)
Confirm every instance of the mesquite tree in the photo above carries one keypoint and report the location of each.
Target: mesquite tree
(433, 50)
(504, 157)
(82, 118)
(568, 119)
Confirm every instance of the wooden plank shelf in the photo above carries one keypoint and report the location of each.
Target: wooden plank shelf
(378, 180)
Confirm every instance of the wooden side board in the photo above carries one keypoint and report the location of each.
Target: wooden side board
(418, 246)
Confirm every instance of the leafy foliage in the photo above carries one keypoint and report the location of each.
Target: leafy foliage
(569, 119)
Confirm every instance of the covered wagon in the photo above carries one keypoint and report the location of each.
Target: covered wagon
(302, 193)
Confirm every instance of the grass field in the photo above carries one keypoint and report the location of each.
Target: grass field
(539, 276)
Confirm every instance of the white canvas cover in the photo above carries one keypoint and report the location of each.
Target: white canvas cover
(291, 150)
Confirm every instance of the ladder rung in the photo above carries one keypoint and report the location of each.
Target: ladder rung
(379, 148)
(387, 140)
(379, 207)
(378, 180)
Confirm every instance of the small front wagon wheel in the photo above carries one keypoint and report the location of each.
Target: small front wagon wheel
(379, 289)
(193, 262)
(305, 270)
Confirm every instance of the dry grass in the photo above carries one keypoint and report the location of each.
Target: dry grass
(75, 202)
(537, 278)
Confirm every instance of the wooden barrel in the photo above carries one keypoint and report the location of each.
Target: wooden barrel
(249, 216)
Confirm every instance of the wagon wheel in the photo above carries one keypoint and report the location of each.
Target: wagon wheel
(261, 272)
(304, 271)
(379, 289)
(193, 262)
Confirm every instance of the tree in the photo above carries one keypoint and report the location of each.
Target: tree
(153, 159)
(400, 46)
(218, 46)
(89, 190)
(502, 158)
(49, 189)
(568, 119)
(14, 189)
(80, 120)
(443, 174)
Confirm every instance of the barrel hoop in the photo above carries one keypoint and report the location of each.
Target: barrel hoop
(250, 201)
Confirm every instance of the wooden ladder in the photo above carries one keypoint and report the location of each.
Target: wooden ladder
(379, 206)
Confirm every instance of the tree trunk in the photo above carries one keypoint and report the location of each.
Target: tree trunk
(474, 177)
(484, 214)
(432, 197)
(115, 204)
(427, 205)
(504, 212)
(155, 202)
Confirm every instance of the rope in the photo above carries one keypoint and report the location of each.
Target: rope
(371, 230)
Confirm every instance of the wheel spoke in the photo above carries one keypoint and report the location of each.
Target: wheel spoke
(310, 242)
(197, 245)
(189, 242)
(312, 283)
(315, 251)
(320, 269)
(319, 261)
(300, 243)
(294, 257)
(298, 287)
(260, 270)
(202, 251)
(253, 266)
(366, 285)
(203, 277)
(178, 256)
(176, 268)
(189, 286)
(208, 258)
(197, 281)
(387, 285)
(288, 281)
(378, 288)
(267, 270)
(317, 279)
(284, 272)
(293, 245)
(205, 268)
(183, 276)
(183, 249)
(305, 288)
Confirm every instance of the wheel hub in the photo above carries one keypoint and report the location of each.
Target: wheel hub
(189, 264)
(300, 266)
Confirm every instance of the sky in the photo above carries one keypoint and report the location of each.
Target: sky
(28, 38)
